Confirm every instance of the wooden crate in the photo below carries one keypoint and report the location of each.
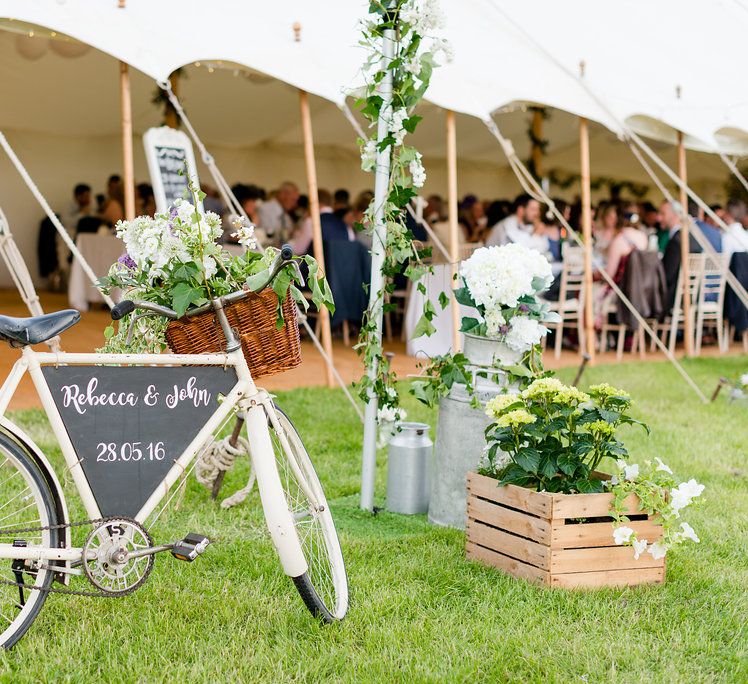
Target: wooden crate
(540, 537)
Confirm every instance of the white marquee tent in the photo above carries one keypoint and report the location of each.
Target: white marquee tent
(61, 112)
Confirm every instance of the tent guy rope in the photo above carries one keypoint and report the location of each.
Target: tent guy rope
(533, 188)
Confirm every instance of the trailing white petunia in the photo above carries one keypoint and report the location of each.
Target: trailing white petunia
(622, 535)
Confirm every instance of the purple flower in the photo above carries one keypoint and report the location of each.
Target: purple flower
(173, 212)
(126, 260)
(524, 308)
(503, 330)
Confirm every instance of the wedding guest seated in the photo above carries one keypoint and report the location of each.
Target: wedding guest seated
(333, 226)
(670, 220)
(605, 225)
(736, 237)
(145, 202)
(82, 206)
(113, 209)
(497, 211)
(274, 216)
(472, 218)
(360, 224)
(341, 199)
(434, 212)
(520, 227)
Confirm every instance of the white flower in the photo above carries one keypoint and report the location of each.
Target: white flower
(499, 276)
(662, 466)
(744, 379)
(657, 550)
(369, 155)
(209, 266)
(245, 233)
(395, 125)
(494, 321)
(622, 535)
(684, 494)
(687, 532)
(442, 45)
(524, 333)
(417, 172)
(413, 65)
(631, 472)
(388, 418)
(640, 546)
(424, 17)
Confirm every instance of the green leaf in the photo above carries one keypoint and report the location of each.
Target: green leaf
(469, 324)
(588, 486)
(463, 296)
(567, 464)
(517, 369)
(423, 327)
(183, 294)
(528, 459)
(547, 467)
(443, 300)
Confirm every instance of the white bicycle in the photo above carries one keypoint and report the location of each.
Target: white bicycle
(122, 481)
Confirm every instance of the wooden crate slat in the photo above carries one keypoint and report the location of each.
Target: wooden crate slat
(510, 545)
(505, 563)
(510, 520)
(608, 578)
(603, 558)
(536, 503)
(589, 505)
(599, 534)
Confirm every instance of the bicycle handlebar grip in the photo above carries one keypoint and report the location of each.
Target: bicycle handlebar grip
(122, 309)
(286, 252)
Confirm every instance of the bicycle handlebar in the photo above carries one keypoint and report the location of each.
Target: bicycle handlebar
(126, 306)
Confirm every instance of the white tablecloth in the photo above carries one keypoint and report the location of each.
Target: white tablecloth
(441, 341)
(100, 251)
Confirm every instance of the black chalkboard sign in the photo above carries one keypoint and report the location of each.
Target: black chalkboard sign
(170, 162)
(169, 152)
(128, 425)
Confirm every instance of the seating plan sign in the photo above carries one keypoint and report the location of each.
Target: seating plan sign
(129, 425)
(167, 150)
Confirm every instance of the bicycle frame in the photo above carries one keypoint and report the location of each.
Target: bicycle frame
(256, 403)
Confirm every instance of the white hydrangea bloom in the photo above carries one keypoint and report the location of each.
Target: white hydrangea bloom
(499, 276)
(524, 333)
(494, 321)
(622, 535)
(395, 125)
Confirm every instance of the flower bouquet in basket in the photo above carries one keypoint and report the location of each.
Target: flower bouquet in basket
(541, 508)
(173, 259)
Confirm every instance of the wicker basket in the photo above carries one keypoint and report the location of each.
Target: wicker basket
(268, 350)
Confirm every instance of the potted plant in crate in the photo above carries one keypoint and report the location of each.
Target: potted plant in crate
(539, 508)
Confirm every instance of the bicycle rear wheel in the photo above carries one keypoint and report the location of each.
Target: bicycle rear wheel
(25, 501)
(324, 587)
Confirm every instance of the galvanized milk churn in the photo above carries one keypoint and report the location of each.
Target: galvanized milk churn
(459, 434)
(408, 469)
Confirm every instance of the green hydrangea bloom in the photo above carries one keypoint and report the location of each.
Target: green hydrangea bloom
(516, 418)
(496, 406)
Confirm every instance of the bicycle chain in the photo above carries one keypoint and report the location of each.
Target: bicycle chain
(57, 590)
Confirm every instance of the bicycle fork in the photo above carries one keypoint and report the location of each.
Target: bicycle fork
(277, 516)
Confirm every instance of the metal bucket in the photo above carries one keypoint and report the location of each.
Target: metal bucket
(408, 469)
(459, 435)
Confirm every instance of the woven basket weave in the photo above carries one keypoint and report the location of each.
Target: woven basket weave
(268, 350)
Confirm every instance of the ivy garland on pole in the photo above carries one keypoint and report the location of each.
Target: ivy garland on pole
(414, 57)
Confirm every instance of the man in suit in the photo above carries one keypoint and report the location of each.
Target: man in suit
(670, 219)
(333, 227)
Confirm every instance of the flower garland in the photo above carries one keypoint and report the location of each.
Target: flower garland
(414, 57)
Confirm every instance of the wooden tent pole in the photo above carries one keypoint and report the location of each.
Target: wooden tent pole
(454, 240)
(584, 158)
(311, 177)
(171, 118)
(128, 168)
(685, 250)
(537, 134)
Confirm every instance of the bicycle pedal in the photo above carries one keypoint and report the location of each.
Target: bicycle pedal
(189, 548)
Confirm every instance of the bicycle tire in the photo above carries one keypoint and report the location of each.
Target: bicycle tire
(13, 455)
(323, 589)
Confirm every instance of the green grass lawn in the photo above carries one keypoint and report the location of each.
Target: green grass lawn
(419, 611)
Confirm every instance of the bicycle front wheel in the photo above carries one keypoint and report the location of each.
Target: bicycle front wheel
(324, 587)
(25, 503)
